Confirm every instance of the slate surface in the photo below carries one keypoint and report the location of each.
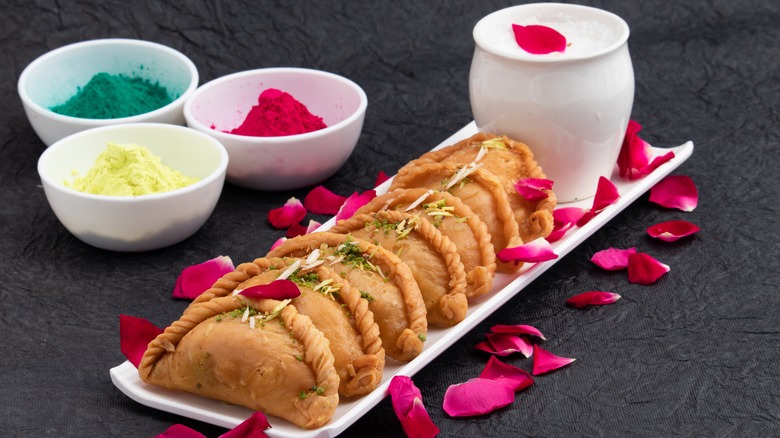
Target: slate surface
(694, 355)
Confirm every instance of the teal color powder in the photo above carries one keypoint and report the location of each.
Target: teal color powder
(108, 96)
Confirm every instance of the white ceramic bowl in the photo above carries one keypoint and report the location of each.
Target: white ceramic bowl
(55, 77)
(135, 223)
(287, 162)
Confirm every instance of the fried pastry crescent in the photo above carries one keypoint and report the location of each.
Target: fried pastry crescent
(509, 161)
(281, 365)
(432, 257)
(480, 190)
(381, 277)
(453, 219)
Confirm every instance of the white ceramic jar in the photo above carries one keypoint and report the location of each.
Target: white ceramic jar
(572, 107)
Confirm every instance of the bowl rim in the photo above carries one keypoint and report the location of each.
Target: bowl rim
(193, 122)
(218, 173)
(30, 103)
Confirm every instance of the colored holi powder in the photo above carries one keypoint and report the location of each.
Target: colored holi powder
(129, 170)
(108, 96)
(277, 114)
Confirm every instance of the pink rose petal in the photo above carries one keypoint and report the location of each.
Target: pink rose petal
(518, 329)
(606, 195)
(634, 161)
(506, 374)
(477, 397)
(672, 230)
(275, 290)
(407, 404)
(135, 334)
(180, 431)
(291, 213)
(544, 361)
(538, 40)
(594, 298)
(644, 269)
(564, 219)
(612, 259)
(380, 178)
(503, 344)
(195, 279)
(675, 191)
(312, 227)
(532, 189)
(353, 203)
(537, 250)
(252, 427)
(322, 201)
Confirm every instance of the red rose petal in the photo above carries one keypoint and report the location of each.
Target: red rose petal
(644, 269)
(380, 178)
(506, 374)
(612, 259)
(634, 158)
(606, 195)
(252, 427)
(322, 201)
(291, 213)
(476, 397)
(672, 230)
(295, 230)
(135, 334)
(180, 431)
(539, 40)
(564, 219)
(532, 189)
(407, 404)
(519, 329)
(544, 361)
(537, 250)
(594, 298)
(504, 344)
(354, 202)
(675, 191)
(195, 279)
(275, 290)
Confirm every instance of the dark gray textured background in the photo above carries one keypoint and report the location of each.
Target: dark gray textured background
(696, 354)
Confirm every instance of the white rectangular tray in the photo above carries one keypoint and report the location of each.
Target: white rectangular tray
(125, 376)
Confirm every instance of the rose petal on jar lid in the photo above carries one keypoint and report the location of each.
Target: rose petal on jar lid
(671, 231)
(275, 290)
(195, 279)
(644, 269)
(612, 259)
(409, 409)
(539, 40)
(537, 250)
(292, 212)
(135, 334)
(322, 201)
(353, 203)
(476, 397)
(533, 189)
(545, 362)
(506, 374)
(594, 298)
(675, 191)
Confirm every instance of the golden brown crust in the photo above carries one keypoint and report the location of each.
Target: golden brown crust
(402, 333)
(482, 192)
(511, 163)
(432, 257)
(465, 229)
(168, 361)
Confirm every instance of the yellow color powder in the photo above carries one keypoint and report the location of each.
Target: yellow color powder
(129, 170)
